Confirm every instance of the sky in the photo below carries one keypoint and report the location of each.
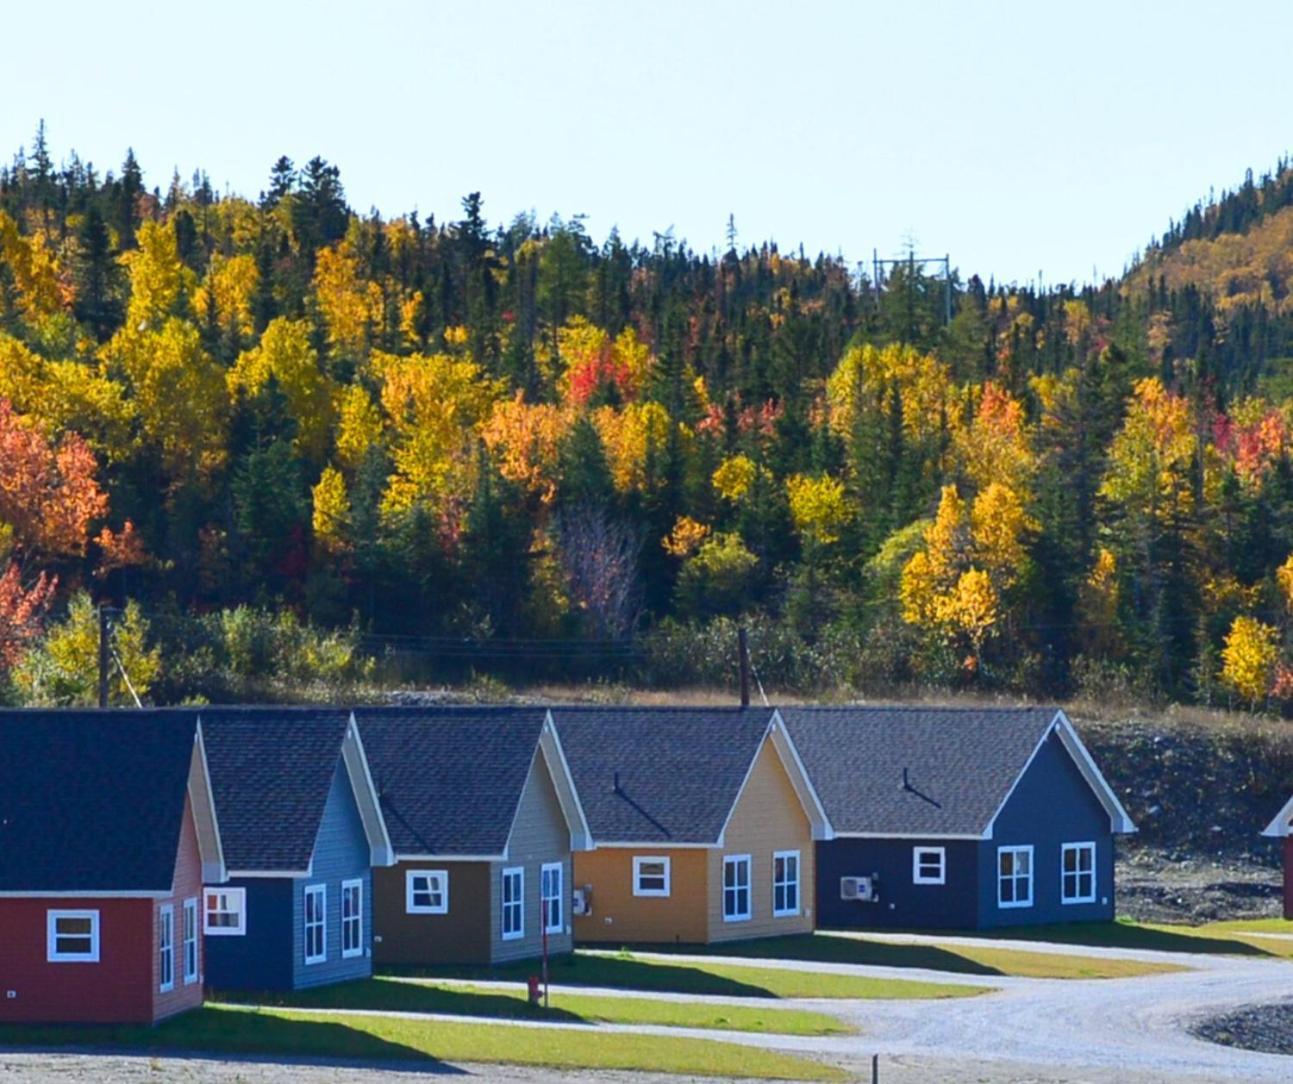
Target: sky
(1020, 139)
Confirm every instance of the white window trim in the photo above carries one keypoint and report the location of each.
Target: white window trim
(165, 945)
(53, 956)
(1085, 846)
(413, 909)
(641, 859)
(786, 912)
(322, 892)
(191, 914)
(917, 853)
(358, 950)
(1032, 870)
(518, 933)
(748, 913)
(237, 896)
(544, 913)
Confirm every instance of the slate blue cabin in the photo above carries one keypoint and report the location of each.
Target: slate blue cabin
(301, 828)
(945, 818)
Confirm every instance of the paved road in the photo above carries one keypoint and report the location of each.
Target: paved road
(1029, 1031)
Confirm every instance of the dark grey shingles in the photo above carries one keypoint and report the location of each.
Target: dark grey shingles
(966, 760)
(92, 801)
(680, 769)
(271, 769)
(450, 778)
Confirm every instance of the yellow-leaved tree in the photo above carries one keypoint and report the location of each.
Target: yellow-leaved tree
(331, 516)
(1248, 658)
(286, 356)
(818, 507)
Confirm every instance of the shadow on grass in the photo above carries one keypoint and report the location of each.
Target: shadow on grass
(1125, 935)
(811, 948)
(385, 995)
(225, 1033)
(622, 972)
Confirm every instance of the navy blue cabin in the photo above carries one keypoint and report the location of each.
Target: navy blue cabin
(302, 830)
(957, 818)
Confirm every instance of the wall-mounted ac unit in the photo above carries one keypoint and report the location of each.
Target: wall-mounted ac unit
(861, 889)
(581, 902)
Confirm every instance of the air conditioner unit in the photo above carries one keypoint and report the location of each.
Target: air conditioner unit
(861, 889)
(581, 902)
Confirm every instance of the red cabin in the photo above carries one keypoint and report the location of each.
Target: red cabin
(107, 834)
(1282, 828)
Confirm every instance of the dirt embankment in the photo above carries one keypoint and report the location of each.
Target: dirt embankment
(1200, 790)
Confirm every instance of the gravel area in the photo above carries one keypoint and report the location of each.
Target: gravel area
(1164, 886)
(1268, 1028)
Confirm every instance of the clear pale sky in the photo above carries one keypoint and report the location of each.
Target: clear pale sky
(1016, 137)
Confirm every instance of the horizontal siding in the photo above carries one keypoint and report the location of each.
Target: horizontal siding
(462, 936)
(186, 885)
(619, 917)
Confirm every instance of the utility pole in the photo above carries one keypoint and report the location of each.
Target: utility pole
(103, 655)
(743, 651)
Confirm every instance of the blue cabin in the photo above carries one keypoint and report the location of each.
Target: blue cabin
(302, 830)
(946, 818)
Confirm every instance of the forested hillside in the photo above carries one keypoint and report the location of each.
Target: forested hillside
(286, 437)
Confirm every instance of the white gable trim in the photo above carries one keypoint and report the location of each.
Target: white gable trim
(1119, 822)
(381, 853)
(554, 757)
(794, 768)
(205, 822)
(290, 874)
(403, 856)
(1280, 827)
(909, 835)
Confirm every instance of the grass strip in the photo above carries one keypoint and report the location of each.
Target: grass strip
(288, 1033)
(425, 996)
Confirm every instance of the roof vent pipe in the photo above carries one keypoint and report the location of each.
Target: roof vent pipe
(615, 785)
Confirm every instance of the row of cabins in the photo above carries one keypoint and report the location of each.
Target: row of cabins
(145, 856)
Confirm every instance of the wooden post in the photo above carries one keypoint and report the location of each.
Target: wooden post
(743, 651)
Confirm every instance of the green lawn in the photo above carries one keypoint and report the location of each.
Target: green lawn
(291, 1034)
(424, 996)
(625, 971)
(971, 960)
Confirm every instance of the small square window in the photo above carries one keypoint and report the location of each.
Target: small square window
(72, 937)
(650, 875)
(426, 892)
(929, 865)
(225, 913)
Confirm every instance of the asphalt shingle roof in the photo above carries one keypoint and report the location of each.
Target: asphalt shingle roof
(92, 801)
(960, 764)
(450, 778)
(271, 769)
(679, 769)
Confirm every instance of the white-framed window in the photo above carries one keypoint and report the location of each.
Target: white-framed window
(166, 947)
(225, 912)
(352, 919)
(1015, 876)
(736, 888)
(72, 937)
(189, 944)
(513, 903)
(785, 883)
(316, 924)
(1077, 873)
(650, 875)
(928, 865)
(426, 892)
(554, 916)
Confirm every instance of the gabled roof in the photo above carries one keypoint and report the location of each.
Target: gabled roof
(660, 774)
(271, 771)
(450, 778)
(93, 801)
(1282, 825)
(894, 771)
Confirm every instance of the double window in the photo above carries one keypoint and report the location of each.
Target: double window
(316, 924)
(736, 888)
(166, 947)
(225, 912)
(1077, 873)
(352, 918)
(190, 942)
(929, 865)
(1015, 876)
(650, 876)
(513, 904)
(72, 937)
(426, 892)
(554, 919)
(785, 883)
